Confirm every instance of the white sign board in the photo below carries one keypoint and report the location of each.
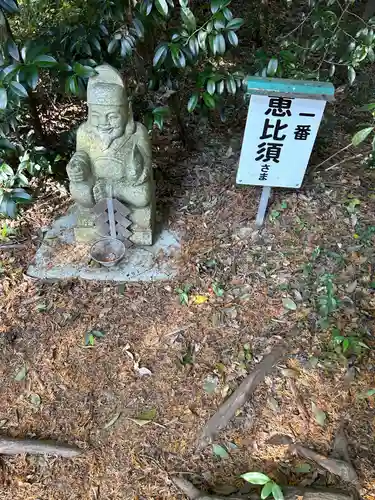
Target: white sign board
(279, 137)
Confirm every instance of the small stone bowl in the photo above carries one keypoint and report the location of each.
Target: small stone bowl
(107, 251)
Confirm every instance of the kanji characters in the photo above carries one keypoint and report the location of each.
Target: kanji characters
(279, 106)
(269, 151)
(302, 132)
(275, 134)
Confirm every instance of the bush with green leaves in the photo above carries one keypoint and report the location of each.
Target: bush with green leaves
(329, 38)
(18, 165)
(181, 50)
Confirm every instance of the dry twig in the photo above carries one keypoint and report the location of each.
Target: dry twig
(11, 446)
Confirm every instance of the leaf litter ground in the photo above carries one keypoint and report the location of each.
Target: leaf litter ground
(137, 428)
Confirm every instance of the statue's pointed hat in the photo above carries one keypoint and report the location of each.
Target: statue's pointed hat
(106, 88)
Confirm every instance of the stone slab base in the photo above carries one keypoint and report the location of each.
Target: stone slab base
(61, 257)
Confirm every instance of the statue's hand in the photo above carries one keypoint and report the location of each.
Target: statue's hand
(77, 167)
(99, 191)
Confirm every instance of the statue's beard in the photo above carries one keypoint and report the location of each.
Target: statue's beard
(107, 136)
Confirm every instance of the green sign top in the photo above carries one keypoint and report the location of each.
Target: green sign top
(304, 89)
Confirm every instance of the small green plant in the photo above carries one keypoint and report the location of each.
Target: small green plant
(308, 267)
(6, 231)
(347, 345)
(183, 294)
(365, 234)
(217, 289)
(269, 486)
(91, 336)
(366, 394)
(327, 302)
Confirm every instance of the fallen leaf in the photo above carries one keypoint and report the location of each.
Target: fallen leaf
(112, 421)
(145, 417)
(41, 307)
(231, 446)
(320, 415)
(210, 384)
(351, 287)
(302, 468)
(3, 423)
(289, 304)
(97, 333)
(273, 404)
(21, 375)
(289, 372)
(35, 399)
(220, 451)
(199, 299)
(144, 371)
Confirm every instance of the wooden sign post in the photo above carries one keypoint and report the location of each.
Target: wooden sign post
(281, 128)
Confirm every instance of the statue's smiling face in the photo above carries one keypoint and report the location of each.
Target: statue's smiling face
(109, 122)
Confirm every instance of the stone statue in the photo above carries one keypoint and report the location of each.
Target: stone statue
(113, 159)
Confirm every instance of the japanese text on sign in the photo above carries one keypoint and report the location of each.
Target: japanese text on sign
(279, 136)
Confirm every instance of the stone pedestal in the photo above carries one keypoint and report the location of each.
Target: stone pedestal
(60, 256)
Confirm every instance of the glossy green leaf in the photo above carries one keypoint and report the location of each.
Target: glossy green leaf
(192, 103)
(12, 49)
(194, 46)
(318, 44)
(219, 44)
(232, 38)
(21, 196)
(255, 478)
(266, 490)
(220, 451)
(231, 85)
(277, 492)
(188, 19)
(162, 7)
(235, 24)
(9, 6)
(112, 46)
(139, 28)
(332, 70)
(178, 58)
(32, 77)
(351, 74)
(361, 135)
(83, 71)
(126, 48)
(272, 66)
(215, 5)
(45, 61)
(227, 14)
(211, 86)
(219, 24)
(18, 89)
(160, 55)
(71, 84)
(208, 100)
(220, 87)
(3, 98)
(202, 36)
(371, 54)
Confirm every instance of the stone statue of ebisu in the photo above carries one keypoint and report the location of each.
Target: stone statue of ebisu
(112, 159)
